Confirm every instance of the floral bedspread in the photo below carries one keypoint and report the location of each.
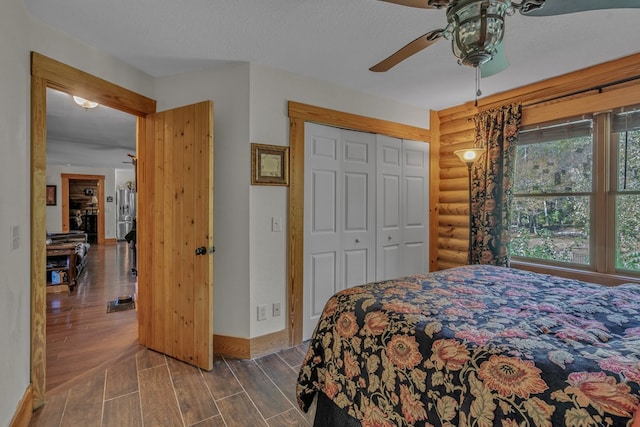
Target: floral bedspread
(479, 346)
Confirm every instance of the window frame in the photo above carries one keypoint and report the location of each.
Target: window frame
(613, 192)
(591, 195)
(603, 230)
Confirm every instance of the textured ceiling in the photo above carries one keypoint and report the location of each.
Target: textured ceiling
(337, 41)
(100, 137)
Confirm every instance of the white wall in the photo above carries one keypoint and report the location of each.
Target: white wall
(14, 208)
(250, 104)
(270, 92)
(227, 86)
(19, 35)
(54, 213)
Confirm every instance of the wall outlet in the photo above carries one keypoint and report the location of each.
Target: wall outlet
(262, 312)
(276, 309)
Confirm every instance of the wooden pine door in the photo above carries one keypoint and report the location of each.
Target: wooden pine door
(175, 233)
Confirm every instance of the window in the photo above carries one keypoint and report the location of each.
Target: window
(553, 193)
(625, 144)
(577, 193)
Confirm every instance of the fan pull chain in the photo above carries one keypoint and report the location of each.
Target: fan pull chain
(478, 91)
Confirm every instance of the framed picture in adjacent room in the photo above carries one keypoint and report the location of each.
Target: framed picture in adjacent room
(51, 195)
(269, 164)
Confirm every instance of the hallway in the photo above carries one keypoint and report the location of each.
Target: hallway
(80, 333)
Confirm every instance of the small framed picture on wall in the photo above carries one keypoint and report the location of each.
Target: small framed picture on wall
(269, 164)
(51, 195)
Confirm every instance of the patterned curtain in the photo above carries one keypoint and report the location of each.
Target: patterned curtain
(492, 182)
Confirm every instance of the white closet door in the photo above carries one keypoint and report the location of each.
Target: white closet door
(366, 212)
(389, 208)
(322, 257)
(415, 207)
(358, 243)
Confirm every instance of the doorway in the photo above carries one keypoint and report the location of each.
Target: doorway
(47, 73)
(176, 318)
(85, 151)
(83, 206)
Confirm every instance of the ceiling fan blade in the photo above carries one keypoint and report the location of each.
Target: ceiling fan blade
(498, 63)
(422, 42)
(423, 4)
(561, 7)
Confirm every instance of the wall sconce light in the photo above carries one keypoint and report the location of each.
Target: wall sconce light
(85, 103)
(469, 156)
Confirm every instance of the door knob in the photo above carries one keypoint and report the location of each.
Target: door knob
(357, 240)
(202, 250)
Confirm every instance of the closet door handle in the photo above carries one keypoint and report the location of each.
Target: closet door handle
(388, 237)
(357, 240)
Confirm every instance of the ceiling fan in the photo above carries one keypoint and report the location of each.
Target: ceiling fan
(133, 159)
(476, 28)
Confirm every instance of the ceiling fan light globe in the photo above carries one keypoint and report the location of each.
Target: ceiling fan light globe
(85, 103)
(477, 28)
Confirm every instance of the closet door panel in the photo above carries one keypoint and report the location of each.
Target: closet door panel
(415, 202)
(389, 208)
(415, 197)
(355, 266)
(323, 281)
(358, 201)
(356, 208)
(390, 261)
(323, 202)
(322, 259)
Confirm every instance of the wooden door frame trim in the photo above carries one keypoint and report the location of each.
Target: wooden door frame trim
(298, 115)
(47, 72)
(65, 178)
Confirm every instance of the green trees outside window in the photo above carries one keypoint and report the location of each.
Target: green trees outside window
(571, 180)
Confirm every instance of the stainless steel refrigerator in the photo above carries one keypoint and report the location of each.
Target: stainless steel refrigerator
(126, 204)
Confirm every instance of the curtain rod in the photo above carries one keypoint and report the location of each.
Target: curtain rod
(598, 88)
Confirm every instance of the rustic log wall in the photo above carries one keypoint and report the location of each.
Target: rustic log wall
(598, 88)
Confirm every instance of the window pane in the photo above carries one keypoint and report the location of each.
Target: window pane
(551, 228)
(562, 166)
(628, 232)
(628, 160)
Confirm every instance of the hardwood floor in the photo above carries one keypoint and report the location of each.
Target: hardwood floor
(80, 333)
(102, 377)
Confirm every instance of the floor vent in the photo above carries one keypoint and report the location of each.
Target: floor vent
(122, 303)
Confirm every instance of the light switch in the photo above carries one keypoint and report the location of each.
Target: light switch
(15, 237)
(276, 224)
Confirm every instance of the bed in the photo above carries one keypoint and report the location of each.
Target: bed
(476, 346)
